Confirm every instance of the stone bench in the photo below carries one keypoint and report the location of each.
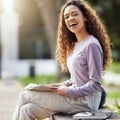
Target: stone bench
(109, 116)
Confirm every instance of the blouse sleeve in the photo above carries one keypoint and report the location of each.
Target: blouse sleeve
(95, 65)
(68, 82)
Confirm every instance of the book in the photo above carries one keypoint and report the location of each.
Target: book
(40, 87)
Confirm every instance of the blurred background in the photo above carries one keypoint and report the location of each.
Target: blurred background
(28, 31)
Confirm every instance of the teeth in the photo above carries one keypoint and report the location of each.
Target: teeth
(72, 24)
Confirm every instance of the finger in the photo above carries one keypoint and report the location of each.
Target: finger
(54, 90)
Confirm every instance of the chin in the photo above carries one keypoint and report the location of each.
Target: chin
(73, 31)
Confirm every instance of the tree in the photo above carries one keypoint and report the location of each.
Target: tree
(49, 14)
(49, 9)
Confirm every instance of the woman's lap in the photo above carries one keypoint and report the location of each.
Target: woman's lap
(54, 102)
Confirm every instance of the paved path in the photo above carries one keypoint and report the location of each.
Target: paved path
(8, 98)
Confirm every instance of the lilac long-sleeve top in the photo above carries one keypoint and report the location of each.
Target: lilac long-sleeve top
(85, 65)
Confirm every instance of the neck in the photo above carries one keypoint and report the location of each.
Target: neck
(82, 35)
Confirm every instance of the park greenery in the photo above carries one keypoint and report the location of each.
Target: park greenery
(114, 67)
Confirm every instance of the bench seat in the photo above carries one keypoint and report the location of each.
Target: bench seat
(108, 115)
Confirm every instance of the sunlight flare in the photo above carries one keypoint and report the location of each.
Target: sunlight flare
(8, 5)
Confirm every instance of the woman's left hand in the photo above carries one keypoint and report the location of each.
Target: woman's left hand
(61, 90)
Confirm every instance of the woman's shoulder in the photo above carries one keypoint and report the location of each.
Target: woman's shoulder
(92, 42)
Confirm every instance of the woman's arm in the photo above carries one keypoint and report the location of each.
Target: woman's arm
(95, 65)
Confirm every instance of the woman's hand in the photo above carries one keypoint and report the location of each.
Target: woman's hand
(61, 90)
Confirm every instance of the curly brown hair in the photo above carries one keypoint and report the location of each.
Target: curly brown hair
(66, 39)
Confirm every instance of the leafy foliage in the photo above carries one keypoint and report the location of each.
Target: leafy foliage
(117, 106)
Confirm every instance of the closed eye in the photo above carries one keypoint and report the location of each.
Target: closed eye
(73, 14)
(66, 16)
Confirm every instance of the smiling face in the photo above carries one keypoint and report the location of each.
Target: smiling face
(74, 19)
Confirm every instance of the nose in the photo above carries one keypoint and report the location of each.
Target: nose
(71, 18)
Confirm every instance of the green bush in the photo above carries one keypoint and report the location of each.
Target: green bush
(114, 67)
(42, 79)
(113, 94)
(117, 106)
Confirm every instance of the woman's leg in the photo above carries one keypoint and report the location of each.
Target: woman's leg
(50, 103)
(31, 111)
(44, 100)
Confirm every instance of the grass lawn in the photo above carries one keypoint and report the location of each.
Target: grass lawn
(43, 79)
(113, 98)
(114, 67)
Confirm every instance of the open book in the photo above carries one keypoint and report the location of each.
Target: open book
(39, 87)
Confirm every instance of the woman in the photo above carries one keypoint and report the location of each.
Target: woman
(83, 48)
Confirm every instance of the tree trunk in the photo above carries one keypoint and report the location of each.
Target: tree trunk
(49, 9)
(49, 14)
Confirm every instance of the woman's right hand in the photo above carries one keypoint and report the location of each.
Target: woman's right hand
(59, 89)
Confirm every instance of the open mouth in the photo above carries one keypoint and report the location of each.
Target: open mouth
(73, 24)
